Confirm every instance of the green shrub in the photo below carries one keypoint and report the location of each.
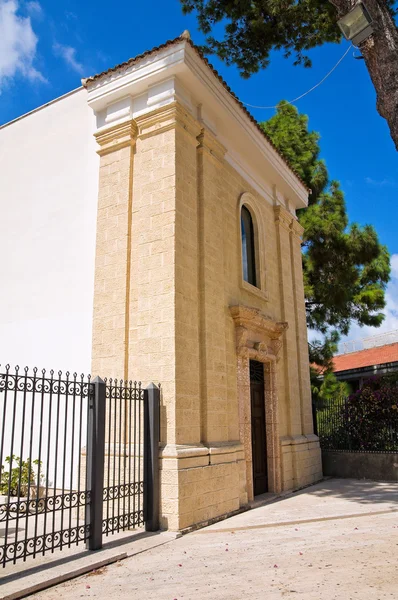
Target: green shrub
(21, 476)
(367, 420)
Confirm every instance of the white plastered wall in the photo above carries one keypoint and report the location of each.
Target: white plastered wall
(48, 204)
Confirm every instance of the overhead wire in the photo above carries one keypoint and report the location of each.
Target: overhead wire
(308, 91)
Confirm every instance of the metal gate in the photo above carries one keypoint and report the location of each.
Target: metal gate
(78, 459)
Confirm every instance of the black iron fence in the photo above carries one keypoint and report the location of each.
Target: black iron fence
(78, 459)
(347, 424)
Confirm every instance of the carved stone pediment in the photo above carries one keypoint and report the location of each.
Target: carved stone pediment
(257, 334)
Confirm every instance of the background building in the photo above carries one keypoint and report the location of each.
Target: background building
(359, 360)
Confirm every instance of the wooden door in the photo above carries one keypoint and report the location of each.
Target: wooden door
(259, 442)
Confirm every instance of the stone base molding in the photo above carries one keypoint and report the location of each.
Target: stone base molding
(200, 483)
(202, 455)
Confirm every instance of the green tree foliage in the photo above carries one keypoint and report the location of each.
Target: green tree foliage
(345, 267)
(325, 387)
(254, 28)
(249, 30)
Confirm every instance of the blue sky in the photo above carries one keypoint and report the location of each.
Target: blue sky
(46, 47)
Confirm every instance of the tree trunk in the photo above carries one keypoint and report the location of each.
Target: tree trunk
(380, 52)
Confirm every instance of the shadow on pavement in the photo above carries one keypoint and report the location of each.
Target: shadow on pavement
(48, 561)
(361, 491)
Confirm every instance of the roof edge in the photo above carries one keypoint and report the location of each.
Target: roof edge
(38, 108)
(183, 38)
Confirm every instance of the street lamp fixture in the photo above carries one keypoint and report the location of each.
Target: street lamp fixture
(356, 25)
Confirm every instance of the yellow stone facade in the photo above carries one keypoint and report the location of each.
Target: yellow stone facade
(171, 306)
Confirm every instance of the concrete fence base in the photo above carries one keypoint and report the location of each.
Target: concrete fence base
(360, 465)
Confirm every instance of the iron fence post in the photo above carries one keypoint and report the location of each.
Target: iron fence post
(314, 417)
(151, 456)
(95, 463)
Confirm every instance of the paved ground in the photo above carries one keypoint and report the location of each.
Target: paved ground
(336, 540)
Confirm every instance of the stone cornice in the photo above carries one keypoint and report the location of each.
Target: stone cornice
(209, 143)
(116, 137)
(297, 229)
(266, 351)
(206, 76)
(177, 72)
(165, 118)
(254, 320)
(283, 217)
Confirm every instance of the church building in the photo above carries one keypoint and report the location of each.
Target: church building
(149, 232)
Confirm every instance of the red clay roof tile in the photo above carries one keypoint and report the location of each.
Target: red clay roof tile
(366, 358)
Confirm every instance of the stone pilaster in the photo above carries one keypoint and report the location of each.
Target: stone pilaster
(283, 221)
(272, 427)
(112, 263)
(301, 328)
(213, 360)
(301, 461)
(164, 337)
(113, 272)
(245, 420)
(164, 330)
(188, 406)
(308, 453)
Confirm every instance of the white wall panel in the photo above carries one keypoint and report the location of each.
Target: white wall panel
(48, 205)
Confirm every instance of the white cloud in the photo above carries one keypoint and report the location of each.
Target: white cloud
(388, 181)
(18, 44)
(70, 15)
(34, 9)
(394, 266)
(69, 55)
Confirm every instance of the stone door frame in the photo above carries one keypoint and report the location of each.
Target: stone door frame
(258, 338)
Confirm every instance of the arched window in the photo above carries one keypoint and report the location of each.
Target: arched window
(248, 247)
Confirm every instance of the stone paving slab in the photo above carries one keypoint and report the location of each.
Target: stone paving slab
(331, 498)
(337, 540)
(22, 579)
